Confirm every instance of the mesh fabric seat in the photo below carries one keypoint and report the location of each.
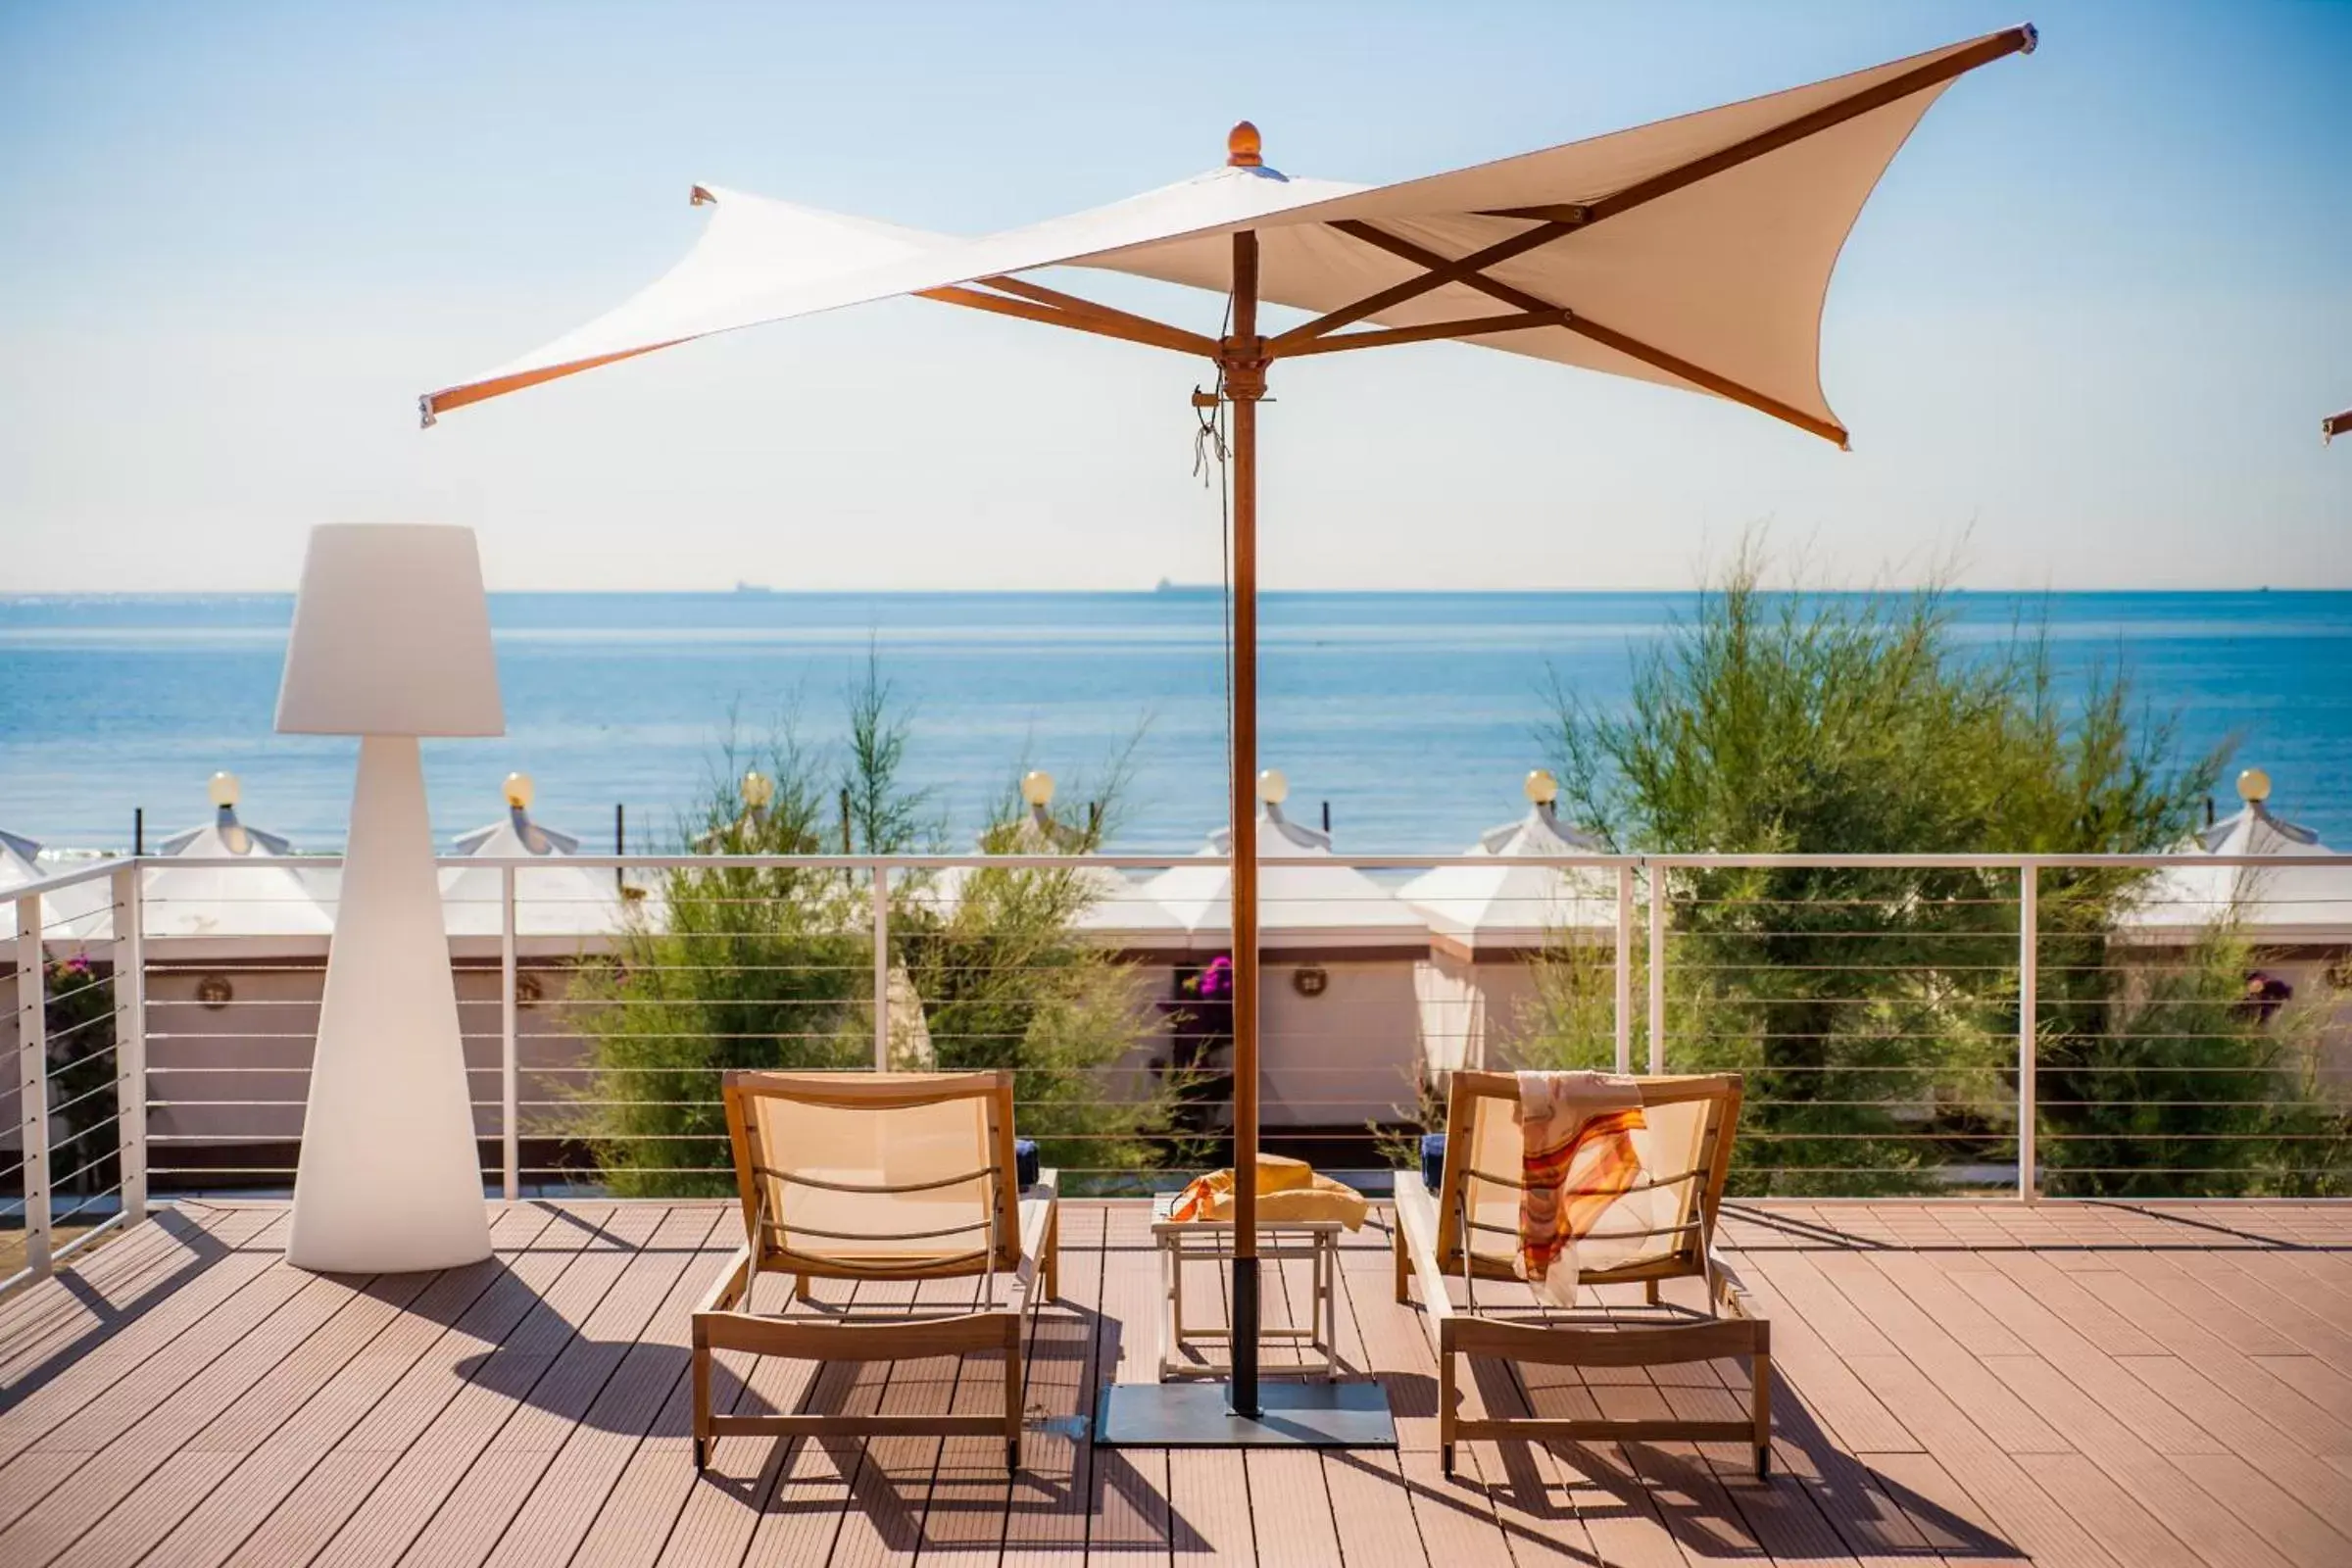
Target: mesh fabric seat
(877, 1177)
(1468, 1229)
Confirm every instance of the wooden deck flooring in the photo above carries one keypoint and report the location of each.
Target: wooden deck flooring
(1959, 1384)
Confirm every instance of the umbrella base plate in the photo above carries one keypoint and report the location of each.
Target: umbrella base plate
(1291, 1415)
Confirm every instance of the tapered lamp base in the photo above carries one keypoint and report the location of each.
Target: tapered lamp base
(390, 1179)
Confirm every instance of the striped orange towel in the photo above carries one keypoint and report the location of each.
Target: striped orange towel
(1577, 1157)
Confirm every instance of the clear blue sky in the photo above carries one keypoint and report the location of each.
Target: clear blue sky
(2088, 325)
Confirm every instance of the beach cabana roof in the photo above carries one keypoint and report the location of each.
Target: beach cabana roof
(2269, 903)
(1118, 909)
(82, 912)
(274, 897)
(554, 900)
(1505, 904)
(1301, 904)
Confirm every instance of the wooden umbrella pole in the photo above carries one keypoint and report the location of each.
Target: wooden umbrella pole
(1243, 360)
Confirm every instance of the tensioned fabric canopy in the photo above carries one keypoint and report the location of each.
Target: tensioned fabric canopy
(1694, 252)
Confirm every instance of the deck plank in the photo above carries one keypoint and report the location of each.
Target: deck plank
(2072, 1385)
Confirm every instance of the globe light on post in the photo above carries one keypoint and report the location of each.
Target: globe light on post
(224, 790)
(391, 642)
(757, 790)
(1540, 788)
(518, 790)
(1037, 787)
(1273, 787)
(2253, 786)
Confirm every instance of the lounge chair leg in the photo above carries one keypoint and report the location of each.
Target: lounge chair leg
(1012, 1402)
(1404, 1264)
(1054, 1256)
(802, 1287)
(1446, 1396)
(700, 1363)
(1760, 1368)
(1649, 1292)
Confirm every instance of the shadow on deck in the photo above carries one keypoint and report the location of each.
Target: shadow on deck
(1958, 1382)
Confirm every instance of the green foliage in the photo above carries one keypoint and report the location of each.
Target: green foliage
(1008, 980)
(744, 969)
(79, 1013)
(773, 969)
(1875, 1010)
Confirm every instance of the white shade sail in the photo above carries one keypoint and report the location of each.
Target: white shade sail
(1694, 252)
(391, 636)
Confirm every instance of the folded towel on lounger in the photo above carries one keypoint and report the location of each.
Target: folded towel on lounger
(1577, 1159)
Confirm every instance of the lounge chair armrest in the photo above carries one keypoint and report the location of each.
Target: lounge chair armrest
(1037, 1206)
(727, 1290)
(1730, 1292)
(1416, 1213)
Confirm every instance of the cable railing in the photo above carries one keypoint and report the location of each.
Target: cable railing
(2117, 1026)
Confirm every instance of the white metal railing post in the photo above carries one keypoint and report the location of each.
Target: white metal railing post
(881, 967)
(1658, 968)
(2029, 987)
(131, 1042)
(1625, 970)
(509, 1135)
(32, 1078)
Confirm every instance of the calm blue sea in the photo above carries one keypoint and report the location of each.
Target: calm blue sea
(1414, 715)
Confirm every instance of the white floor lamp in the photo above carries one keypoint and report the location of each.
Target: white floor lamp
(391, 641)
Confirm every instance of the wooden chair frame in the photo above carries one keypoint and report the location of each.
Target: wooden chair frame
(1431, 1243)
(1024, 1238)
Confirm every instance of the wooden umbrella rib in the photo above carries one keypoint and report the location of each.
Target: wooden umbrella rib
(1094, 309)
(1830, 115)
(1428, 333)
(1421, 256)
(1631, 347)
(1440, 274)
(1698, 376)
(1102, 321)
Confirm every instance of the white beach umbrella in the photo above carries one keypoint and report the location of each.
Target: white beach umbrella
(1503, 901)
(274, 897)
(1694, 252)
(2266, 903)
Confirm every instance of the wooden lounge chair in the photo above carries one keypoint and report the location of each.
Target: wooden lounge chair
(875, 1177)
(1662, 1230)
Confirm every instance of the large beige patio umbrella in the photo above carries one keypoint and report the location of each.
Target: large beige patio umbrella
(1694, 252)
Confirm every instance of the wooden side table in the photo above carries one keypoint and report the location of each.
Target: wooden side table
(1182, 1242)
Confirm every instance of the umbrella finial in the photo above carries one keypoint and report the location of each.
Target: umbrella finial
(1242, 147)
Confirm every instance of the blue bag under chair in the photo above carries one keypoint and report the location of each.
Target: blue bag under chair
(1433, 1158)
(1025, 1164)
